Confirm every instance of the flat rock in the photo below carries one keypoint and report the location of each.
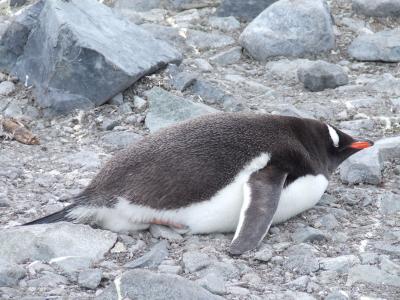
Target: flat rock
(340, 264)
(212, 94)
(90, 279)
(194, 261)
(264, 254)
(371, 275)
(246, 10)
(143, 285)
(159, 231)
(44, 242)
(289, 295)
(227, 57)
(308, 234)
(107, 55)
(380, 46)
(374, 8)
(48, 279)
(166, 109)
(287, 69)
(120, 139)
(337, 295)
(213, 283)
(321, 75)
(389, 266)
(6, 88)
(71, 264)
(225, 24)
(152, 258)
(284, 29)
(10, 273)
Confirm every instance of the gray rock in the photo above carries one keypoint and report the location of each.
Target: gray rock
(203, 65)
(84, 158)
(152, 258)
(364, 166)
(109, 124)
(380, 46)
(226, 24)
(385, 83)
(159, 231)
(227, 57)
(179, 5)
(170, 269)
(139, 103)
(10, 273)
(6, 88)
(337, 295)
(328, 221)
(125, 108)
(88, 64)
(369, 258)
(16, 3)
(373, 8)
(245, 9)
(214, 95)
(284, 29)
(389, 266)
(291, 110)
(388, 247)
(166, 109)
(213, 283)
(13, 40)
(321, 75)
(49, 279)
(71, 264)
(289, 295)
(308, 234)
(143, 285)
(287, 69)
(194, 261)
(183, 80)
(120, 139)
(301, 264)
(390, 203)
(224, 269)
(117, 100)
(90, 278)
(264, 254)
(44, 242)
(13, 110)
(371, 275)
(357, 125)
(137, 5)
(368, 102)
(200, 40)
(299, 283)
(340, 264)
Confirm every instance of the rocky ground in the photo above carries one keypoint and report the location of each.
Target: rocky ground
(347, 247)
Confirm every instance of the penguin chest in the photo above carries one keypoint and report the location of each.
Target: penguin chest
(300, 195)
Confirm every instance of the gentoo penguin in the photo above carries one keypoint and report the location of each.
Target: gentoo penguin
(228, 172)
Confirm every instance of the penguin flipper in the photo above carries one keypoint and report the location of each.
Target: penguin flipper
(261, 197)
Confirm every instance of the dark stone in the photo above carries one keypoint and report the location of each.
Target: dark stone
(244, 9)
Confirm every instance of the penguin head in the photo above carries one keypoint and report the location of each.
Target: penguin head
(341, 145)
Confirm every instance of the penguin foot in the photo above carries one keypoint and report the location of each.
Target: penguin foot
(173, 225)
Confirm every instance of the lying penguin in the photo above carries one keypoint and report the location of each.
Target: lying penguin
(225, 172)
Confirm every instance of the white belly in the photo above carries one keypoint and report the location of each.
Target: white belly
(219, 214)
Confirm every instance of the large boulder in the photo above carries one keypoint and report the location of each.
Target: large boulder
(146, 5)
(243, 9)
(81, 54)
(377, 8)
(290, 28)
(380, 46)
(13, 40)
(44, 242)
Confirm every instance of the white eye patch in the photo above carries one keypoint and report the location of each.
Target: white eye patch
(334, 136)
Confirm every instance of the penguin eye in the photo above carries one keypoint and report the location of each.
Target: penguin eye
(334, 136)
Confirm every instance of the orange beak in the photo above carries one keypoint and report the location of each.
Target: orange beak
(361, 144)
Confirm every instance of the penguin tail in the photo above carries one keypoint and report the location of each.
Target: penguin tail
(58, 216)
